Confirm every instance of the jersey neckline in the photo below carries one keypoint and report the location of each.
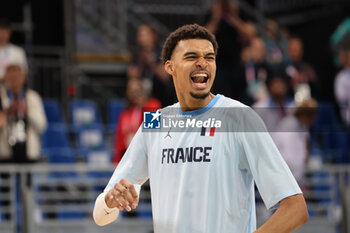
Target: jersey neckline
(202, 110)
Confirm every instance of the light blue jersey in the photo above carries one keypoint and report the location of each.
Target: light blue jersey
(202, 180)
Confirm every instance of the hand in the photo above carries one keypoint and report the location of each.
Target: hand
(17, 106)
(3, 120)
(216, 11)
(231, 9)
(308, 74)
(123, 195)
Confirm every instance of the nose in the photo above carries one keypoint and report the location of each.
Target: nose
(201, 62)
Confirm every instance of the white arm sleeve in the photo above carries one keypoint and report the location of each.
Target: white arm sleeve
(265, 163)
(102, 214)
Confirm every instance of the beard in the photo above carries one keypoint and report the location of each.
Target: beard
(199, 96)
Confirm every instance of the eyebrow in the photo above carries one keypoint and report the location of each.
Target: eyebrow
(194, 53)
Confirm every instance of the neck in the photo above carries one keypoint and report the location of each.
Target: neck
(192, 103)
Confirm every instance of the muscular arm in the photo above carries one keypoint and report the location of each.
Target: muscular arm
(291, 214)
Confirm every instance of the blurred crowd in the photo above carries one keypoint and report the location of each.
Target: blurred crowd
(259, 63)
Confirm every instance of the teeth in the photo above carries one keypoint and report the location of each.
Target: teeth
(200, 75)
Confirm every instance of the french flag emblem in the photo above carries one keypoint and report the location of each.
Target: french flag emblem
(209, 131)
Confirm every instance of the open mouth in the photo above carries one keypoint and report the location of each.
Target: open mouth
(199, 79)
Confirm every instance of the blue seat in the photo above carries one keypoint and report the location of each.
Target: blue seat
(326, 120)
(55, 144)
(72, 215)
(335, 146)
(101, 156)
(91, 137)
(327, 135)
(115, 107)
(53, 111)
(60, 155)
(56, 135)
(144, 210)
(97, 157)
(84, 113)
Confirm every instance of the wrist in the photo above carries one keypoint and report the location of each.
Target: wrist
(107, 203)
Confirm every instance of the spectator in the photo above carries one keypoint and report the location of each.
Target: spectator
(232, 34)
(275, 42)
(22, 118)
(342, 85)
(300, 72)
(9, 53)
(146, 65)
(277, 105)
(252, 74)
(131, 117)
(295, 128)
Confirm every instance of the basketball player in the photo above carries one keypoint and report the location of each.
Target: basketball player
(204, 182)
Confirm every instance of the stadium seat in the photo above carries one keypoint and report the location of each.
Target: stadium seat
(327, 135)
(101, 156)
(326, 120)
(56, 135)
(144, 209)
(115, 107)
(53, 111)
(84, 113)
(64, 211)
(91, 137)
(55, 145)
(61, 155)
(97, 157)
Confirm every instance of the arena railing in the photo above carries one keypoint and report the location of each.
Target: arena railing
(60, 198)
(7, 201)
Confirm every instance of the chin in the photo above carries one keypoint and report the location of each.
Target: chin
(200, 95)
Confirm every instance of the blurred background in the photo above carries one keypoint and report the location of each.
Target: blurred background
(75, 76)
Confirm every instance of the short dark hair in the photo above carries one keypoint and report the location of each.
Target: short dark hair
(186, 32)
(5, 23)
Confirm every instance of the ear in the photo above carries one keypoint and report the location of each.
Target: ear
(168, 66)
